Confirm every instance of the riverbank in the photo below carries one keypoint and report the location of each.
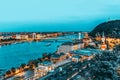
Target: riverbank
(32, 50)
(2, 43)
(8, 42)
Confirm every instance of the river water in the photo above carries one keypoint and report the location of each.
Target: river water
(15, 54)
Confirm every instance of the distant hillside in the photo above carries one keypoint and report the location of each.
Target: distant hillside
(110, 28)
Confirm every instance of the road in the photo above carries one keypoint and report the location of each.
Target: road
(51, 73)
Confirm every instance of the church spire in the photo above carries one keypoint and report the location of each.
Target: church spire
(103, 37)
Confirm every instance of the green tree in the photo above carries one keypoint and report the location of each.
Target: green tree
(13, 70)
(23, 65)
(8, 72)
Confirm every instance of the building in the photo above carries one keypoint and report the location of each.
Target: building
(34, 36)
(112, 42)
(6, 37)
(85, 54)
(86, 40)
(103, 38)
(43, 68)
(13, 36)
(98, 36)
(38, 36)
(1, 37)
(103, 45)
(76, 58)
(58, 57)
(70, 46)
(18, 37)
(86, 35)
(24, 37)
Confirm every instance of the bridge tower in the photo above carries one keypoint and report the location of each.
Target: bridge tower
(79, 35)
(34, 36)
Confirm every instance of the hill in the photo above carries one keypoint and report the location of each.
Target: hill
(110, 28)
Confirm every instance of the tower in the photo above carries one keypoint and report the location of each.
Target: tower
(79, 36)
(86, 35)
(103, 37)
(103, 45)
(34, 36)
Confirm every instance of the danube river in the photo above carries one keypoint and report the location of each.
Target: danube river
(15, 54)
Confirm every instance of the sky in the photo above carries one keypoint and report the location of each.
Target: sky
(56, 15)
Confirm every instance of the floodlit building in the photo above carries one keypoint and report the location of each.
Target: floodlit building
(24, 37)
(58, 57)
(70, 46)
(103, 45)
(86, 40)
(43, 68)
(1, 37)
(34, 36)
(13, 36)
(18, 36)
(112, 42)
(76, 58)
(85, 54)
(38, 36)
(6, 37)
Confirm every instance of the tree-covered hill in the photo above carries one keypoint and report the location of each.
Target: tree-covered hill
(110, 28)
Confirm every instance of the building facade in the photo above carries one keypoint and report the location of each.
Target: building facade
(43, 68)
(70, 46)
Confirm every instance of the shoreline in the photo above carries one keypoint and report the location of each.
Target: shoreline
(3, 43)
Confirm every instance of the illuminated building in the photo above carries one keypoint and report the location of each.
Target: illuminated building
(58, 57)
(70, 46)
(43, 68)
(18, 36)
(85, 54)
(76, 58)
(34, 36)
(80, 36)
(1, 37)
(24, 37)
(103, 45)
(98, 37)
(38, 36)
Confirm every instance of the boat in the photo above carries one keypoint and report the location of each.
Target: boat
(48, 44)
(15, 42)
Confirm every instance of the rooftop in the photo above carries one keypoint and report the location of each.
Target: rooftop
(57, 55)
(46, 63)
(87, 52)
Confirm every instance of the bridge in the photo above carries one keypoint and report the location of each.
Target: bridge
(67, 37)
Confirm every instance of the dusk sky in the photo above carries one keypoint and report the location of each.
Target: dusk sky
(19, 15)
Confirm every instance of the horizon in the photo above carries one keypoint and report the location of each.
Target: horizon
(63, 15)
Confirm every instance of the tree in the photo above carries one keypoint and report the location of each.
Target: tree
(33, 63)
(23, 65)
(44, 55)
(40, 59)
(13, 70)
(8, 72)
(117, 48)
(49, 56)
(103, 66)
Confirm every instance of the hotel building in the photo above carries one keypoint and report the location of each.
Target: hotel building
(43, 68)
(70, 46)
(58, 57)
(84, 54)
